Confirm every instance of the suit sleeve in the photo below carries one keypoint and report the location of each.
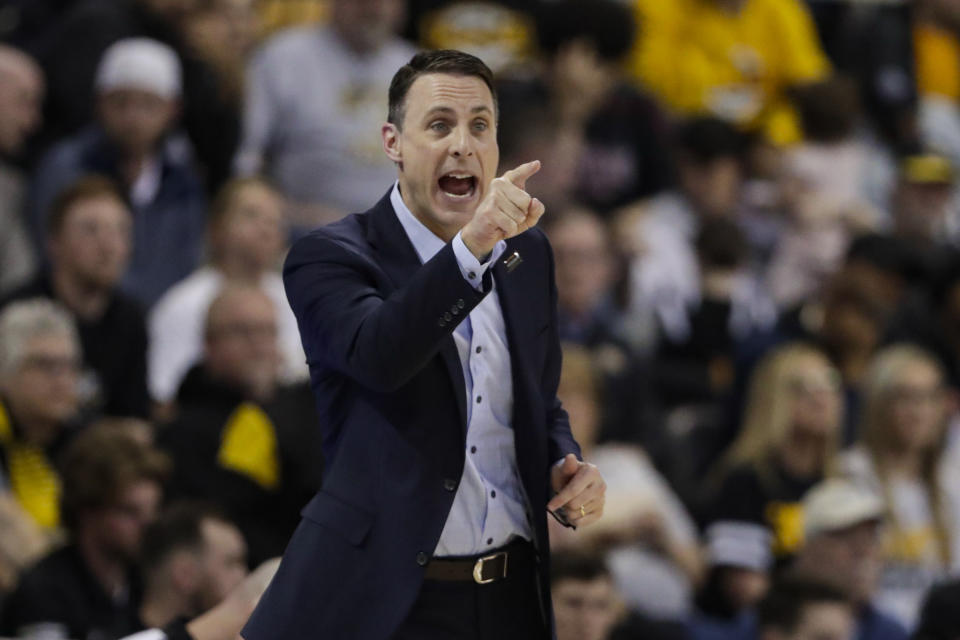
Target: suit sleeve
(346, 323)
(558, 422)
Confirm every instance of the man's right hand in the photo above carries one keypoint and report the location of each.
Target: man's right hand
(506, 210)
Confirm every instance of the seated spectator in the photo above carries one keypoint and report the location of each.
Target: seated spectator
(936, 48)
(606, 140)
(841, 546)
(798, 609)
(648, 538)
(314, 107)
(39, 389)
(739, 59)
(135, 142)
(940, 617)
(900, 456)
(245, 240)
(661, 233)
(585, 601)
(241, 439)
(226, 619)
(589, 315)
(791, 429)
(112, 489)
(89, 242)
(21, 94)
(191, 558)
(739, 560)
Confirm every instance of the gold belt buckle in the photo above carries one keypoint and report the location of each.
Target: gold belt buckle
(478, 568)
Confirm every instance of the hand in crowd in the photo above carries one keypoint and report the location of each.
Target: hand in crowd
(580, 489)
(506, 211)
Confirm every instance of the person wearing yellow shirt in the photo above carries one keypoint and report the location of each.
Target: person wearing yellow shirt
(734, 59)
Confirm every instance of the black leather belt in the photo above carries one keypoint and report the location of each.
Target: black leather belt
(518, 556)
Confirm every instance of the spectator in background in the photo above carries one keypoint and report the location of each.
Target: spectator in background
(73, 46)
(842, 546)
(21, 95)
(135, 142)
(661, 233)
(936, 45)
(191, 558)
(605, 139)
(314, 103)
(586, 262)
(245, 239)
(739, 59)
(648, 539)
(502, 33)
(799, 609)
(586, 605)
(241, 439)
(900, 456)
(112, 489)
(791, 430)
(738, 578)
(89, 242)
(39, 367)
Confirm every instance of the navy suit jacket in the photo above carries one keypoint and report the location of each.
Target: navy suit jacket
(390, 393)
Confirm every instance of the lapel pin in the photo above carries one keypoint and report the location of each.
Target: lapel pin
(513, 261)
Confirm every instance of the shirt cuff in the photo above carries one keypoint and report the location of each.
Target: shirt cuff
(471, 268)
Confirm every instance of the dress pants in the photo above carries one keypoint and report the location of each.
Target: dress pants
(508, 609)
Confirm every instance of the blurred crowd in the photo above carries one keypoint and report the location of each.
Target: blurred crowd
(754, 210)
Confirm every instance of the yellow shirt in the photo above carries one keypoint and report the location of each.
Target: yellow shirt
(33, 479)
(938, 62)
(698, 58)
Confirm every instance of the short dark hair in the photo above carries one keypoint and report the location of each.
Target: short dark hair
(784, 604)
(577, 565)
(180, 527)
(705, 139)
(721, 243)
(447, 61)
(99, 464)
(88, 187)
(607, 25)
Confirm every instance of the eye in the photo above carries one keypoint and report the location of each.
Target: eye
(439, 126)
(480, 125)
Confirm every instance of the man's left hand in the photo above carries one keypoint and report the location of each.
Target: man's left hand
(580, 491)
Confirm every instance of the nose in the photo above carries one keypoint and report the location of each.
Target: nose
(462, 143)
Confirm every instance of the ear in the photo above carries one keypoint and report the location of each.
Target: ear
(391, 143)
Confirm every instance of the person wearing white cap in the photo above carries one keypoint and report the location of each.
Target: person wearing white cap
(135, 141)
(842, 524)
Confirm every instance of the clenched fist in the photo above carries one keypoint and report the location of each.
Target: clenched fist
(506, 210)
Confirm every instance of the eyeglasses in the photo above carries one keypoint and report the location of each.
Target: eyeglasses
(903, 394)
(51, 365)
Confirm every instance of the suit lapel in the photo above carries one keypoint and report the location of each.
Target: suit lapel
(398, 258)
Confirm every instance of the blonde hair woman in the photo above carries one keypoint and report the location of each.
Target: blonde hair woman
(789, 436)
(898, 454)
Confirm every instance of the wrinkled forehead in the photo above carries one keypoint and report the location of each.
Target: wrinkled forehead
(458, 94)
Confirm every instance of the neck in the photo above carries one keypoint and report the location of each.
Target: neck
(34, 430)
(803, 455)
(239, 269)
(85, 300)
(853, 364)
(903, 462)
(109, 571)
(132, 164)
(161, 606)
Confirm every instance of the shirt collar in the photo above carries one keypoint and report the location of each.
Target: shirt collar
(424, 241)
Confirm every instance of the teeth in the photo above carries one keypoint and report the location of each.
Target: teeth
(460, 176)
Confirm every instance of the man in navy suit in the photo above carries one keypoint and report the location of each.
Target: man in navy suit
(430, 327)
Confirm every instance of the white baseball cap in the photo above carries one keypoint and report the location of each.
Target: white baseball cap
(140, 63)
(746, 545)
(839, 503)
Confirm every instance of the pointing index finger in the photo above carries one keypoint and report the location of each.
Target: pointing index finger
(518, 176)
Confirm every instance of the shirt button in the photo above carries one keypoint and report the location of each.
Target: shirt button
(479, 349)
(473, 449)
(471, 275)
(422, 559)
(489, 540)
(479, 399)
(493, 494)
(450, 484)
(461, 304)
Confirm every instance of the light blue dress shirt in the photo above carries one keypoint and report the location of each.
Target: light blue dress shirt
(490, 507)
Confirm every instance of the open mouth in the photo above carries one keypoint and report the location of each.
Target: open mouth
(458, 185)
